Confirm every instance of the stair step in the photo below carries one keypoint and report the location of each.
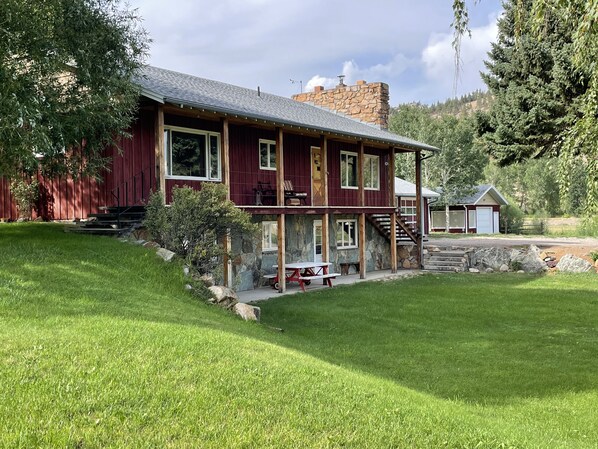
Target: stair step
(447, 258)
(443, 268)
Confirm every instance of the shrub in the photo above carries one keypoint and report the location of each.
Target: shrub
(594, 255)
(25, 194)
(195, 223)
(588, 227)
(511, 219)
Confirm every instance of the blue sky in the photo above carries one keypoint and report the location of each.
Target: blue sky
(268, 43)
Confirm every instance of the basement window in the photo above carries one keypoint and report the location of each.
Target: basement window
(346, 234)
(269, 236)
(192, 154)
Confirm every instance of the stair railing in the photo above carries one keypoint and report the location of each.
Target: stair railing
(116, 193)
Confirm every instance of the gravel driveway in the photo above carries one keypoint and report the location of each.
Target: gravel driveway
(508, 241)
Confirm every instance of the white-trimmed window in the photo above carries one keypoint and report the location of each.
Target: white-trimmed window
(348, 170)
(346, 234)
(371, 172)
(472, 218)
(269, 235)
(408, 211)
(192, 154)
(267, 154)
(456, 219)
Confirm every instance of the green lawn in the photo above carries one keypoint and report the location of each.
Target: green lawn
(101, 347)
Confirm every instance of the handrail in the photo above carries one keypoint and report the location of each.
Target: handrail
(116, 193)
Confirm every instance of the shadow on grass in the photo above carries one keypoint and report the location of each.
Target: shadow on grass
(480, 339)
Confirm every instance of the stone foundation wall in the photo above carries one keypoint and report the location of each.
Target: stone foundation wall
(250, 262)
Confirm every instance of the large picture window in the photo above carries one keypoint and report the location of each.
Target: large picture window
(348, 170)
(269, 236)
(456, 219)
(346, 234)
(267, 154)
(192, 154)
(371, 172)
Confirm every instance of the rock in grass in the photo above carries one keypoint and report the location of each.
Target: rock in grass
(474, 270)
(223, 296)
(165, 254)
(573, 264)
(504, 268)
(489, 270)
(247, 312)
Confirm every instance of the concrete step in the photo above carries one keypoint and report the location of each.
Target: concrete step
(446, 258)
(432, 267)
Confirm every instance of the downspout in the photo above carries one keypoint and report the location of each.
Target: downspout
(466, 219)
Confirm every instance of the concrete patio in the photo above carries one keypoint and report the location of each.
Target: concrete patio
(264, 293)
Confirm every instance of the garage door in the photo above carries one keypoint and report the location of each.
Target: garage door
(484, 220)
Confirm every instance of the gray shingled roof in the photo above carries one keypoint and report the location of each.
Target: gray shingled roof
(178, 88)
(480, 191)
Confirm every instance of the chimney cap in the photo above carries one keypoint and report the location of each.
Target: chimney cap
(341, 80)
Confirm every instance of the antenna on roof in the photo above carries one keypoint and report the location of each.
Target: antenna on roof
(258, 91)
(295, 82)
(341, 80)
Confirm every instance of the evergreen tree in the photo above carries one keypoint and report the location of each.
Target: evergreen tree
(534, 85)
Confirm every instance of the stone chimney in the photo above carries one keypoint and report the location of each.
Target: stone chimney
(365, 102)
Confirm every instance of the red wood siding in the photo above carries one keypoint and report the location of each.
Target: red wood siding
(338, 196)
(63, 198)
(297, 162)
(245, 170)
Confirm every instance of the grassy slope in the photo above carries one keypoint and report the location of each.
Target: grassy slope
(101, 347)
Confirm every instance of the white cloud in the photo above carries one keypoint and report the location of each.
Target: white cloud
(438, 58)
(353, 72)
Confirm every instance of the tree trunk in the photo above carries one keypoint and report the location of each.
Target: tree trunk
(446, 218)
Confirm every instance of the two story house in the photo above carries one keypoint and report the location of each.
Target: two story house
(316, 171)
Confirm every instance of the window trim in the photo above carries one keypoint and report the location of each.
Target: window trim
(349, 153)
(267, 225)
(372, 157)
(340, 222)
(259, 148)
(168, 153)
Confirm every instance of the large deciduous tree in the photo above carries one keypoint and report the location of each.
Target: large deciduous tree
(65, 83)
(457, 167)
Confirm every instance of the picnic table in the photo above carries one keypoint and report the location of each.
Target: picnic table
(303, 273)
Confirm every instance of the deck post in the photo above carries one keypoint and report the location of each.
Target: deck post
(281, 217)
(393, 215)
(324, 167)
(418, 207)
(325, 238)
(160, 159)
(225, 157)
(362, 261)
(361, 185)
(393, 242)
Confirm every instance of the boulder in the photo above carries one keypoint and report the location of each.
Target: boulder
(188, 287)
(474, 270)
(504, 268)
(165, 254)
(247, 312)
(186, 270)
(489, 270)
(223, 296)
(492, 257)
(530, 260)
(403, 253)
(151, 245)
(207, 279)
(573, 264)
(406, 264)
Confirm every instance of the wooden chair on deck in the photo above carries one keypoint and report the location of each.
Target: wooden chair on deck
(291, 197)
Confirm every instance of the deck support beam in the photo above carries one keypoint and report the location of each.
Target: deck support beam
(324, 167)
(419, 209)
(159, 152)
(226, 243)
(393, 242)
(281, 217)
(362, 270)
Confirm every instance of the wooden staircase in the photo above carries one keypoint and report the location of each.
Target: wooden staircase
(113, 221)
(406, 234)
